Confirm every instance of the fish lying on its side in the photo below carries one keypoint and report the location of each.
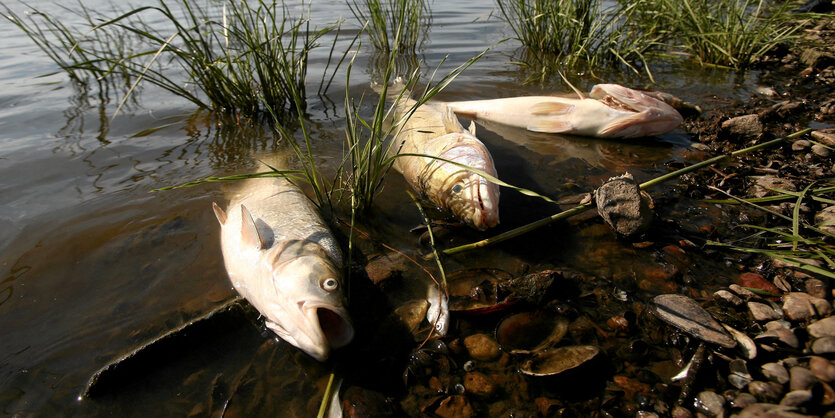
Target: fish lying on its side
(610, 111)
(434, 130)
(283, 259)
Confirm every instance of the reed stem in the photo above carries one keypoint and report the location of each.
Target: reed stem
(582, 208)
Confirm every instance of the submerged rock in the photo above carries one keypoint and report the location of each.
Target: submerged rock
(623, 207)
(481, 347)
(558, 360)
(747, 127)
(685, 314)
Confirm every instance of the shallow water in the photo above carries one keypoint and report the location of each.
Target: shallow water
(94, 263)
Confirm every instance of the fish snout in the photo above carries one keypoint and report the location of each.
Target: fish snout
(485, 197)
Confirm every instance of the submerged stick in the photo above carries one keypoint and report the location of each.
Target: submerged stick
(582, 208)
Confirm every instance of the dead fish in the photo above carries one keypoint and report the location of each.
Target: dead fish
(434, 130)
(282, 258)
(610, 111)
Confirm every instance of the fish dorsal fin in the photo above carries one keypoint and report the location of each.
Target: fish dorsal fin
(219, 213)
(472, 128)
(249, 232)
(451, 123)
(551, 108)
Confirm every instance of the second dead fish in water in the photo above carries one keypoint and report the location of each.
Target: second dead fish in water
(610, 111)
(434, 130)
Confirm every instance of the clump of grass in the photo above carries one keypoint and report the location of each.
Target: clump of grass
(393, 24)
(237, 58)
(733, 33)
(558, 34)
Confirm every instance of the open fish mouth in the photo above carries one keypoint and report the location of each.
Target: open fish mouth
(337, 330)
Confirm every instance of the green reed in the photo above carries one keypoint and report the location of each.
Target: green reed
(732, 33)
(235, 57)
(393, 24)
(559, 34)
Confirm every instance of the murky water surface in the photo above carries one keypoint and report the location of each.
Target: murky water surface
(94, 263)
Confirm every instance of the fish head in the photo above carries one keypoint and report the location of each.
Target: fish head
(304, 303)
(471, 198)
(651, 115)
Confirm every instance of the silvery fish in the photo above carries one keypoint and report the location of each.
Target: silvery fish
(610, 111)
(434, 130)
(282, 258)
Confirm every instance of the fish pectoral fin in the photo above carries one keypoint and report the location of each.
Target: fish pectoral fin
(621, 127)
(551, 109)
(472, 128)
(451, 124)
(219, 213)
(249, 232)
(550, 125)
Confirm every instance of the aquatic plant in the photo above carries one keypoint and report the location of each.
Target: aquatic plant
(734, 33)
(238, 56)
(393, 24)
(569, 33)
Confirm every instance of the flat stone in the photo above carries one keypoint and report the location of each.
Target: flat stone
(763, 184)
(687, 315)
(743, 400)
(800, 378)
(479, 384)
(763, 312)
(757, 281)
(781, 335)
(766, 391)
(481, 347)
(823, 328)
(825, 136)
(710, 403)
(775, 372)
(822, 368)
(743, 292)
(748, 126)
(800, 306)
(801, 145)
(797, 398)
(727, 297)
(821, 150)
(815, 287)
(825, 345)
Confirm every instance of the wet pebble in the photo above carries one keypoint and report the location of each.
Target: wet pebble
(710, 403)
(763, 312)
(822, 368)
(386, 266)
(801, 144)
(739, 376)
(825, 345)
(481, 347)
(800, 378)
(757, 281)
(825, 219)
(800, 306)
(764, 183)
(681, 412)
(748, 126)
(743, 400)
(455, 406)
(779, 334)
(817, 288)
(823, 328)
(687, 315)
(769, 410)
(775, 372)
(821, 150)
(825, 136)
(479, 384)
(797, 398)
(621, 204)
(727, 297)
(765, 391)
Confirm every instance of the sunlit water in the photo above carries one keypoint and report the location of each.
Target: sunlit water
(93, 262)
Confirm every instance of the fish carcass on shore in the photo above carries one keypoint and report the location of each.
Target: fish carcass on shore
(434, 130)
(284, 260)
(610, 111)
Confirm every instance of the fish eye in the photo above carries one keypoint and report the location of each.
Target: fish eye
(330, 284)
(457, 188)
